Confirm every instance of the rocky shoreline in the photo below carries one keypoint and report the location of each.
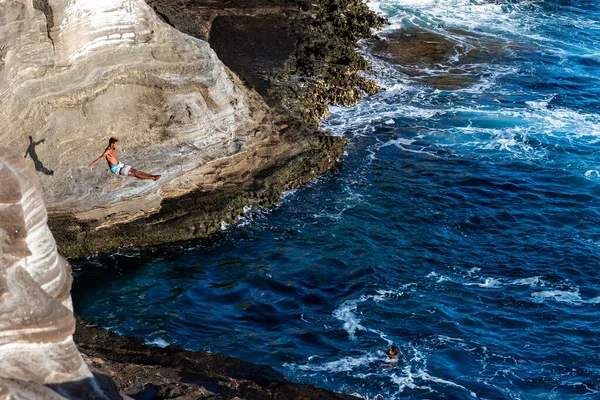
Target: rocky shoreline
(301, 55)
(148, 372)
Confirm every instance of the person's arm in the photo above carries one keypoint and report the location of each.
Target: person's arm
(97, 160)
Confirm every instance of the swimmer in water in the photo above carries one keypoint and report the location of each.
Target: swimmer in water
(393, 352)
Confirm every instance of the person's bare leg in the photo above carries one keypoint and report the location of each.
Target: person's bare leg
(143, 175)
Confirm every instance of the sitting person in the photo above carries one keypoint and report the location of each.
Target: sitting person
(117, 167)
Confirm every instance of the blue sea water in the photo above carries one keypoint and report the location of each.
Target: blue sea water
(462, 226)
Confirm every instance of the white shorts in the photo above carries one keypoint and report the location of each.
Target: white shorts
(124, 170)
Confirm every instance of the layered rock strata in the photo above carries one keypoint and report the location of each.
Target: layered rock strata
(97, 69)
(219, 192)
(36, 317)
(75, 72)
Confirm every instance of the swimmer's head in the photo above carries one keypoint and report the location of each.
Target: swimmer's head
(393, 352)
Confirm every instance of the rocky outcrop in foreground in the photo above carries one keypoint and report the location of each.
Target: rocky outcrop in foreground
(36, 317)
(38, 357)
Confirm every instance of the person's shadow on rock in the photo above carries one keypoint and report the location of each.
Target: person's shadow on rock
(36, 161)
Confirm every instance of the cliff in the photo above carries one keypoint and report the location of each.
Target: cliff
(74, 73)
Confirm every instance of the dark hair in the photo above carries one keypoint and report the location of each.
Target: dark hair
(393, 350)
(112, 140)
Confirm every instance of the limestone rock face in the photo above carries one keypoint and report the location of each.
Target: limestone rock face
(36, 318)
(75, 72)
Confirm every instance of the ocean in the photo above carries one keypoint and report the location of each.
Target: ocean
(463, 226)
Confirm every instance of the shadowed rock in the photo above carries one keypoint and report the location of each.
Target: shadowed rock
(148, 372)
(300, 54)
(36, 160)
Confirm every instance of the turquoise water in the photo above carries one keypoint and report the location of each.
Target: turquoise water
(462, 226)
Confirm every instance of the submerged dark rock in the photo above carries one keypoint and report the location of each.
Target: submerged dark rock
(436, 60)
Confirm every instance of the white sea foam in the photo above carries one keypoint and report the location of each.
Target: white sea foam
(475, 15)
(415, 375)
(491, 282)
(474, 279)
(159, 342)
(540, 104)
(533, 281)
(400, 142)
(571, 296)
(427, 377)
(407, 380)
(346, 314)
(595, 300)
(411, 372)
(344, 364)
(390, 294)
(563, 296)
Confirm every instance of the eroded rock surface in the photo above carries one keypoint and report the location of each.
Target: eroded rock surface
(75, 72)
(79, 71)
(36, 317)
